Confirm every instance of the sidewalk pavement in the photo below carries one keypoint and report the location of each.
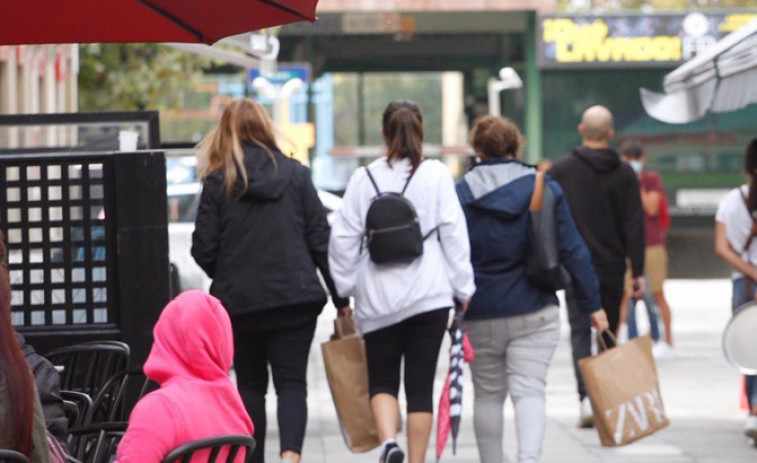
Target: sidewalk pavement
(700, 391)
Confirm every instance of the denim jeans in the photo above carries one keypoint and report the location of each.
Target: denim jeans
(739, 299)
(654, 326)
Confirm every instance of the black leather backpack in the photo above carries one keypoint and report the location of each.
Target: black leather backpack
(392, 228)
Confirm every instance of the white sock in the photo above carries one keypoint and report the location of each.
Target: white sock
(387, 442)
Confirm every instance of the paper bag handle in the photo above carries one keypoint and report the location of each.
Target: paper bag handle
(603, 343)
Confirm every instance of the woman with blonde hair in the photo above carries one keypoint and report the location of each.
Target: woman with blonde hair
(260, 234)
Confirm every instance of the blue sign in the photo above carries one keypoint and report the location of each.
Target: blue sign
(285, 72)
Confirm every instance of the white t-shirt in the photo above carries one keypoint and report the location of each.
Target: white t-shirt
(738, 224)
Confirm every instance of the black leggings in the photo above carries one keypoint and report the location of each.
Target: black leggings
(286, 350)
(418, 339)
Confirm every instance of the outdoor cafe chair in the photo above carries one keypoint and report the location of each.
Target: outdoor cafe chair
(81, 401)
(71, 412)
(97, 442)
(10, 456)
(184, 453)
(87, 366)
(117, 397)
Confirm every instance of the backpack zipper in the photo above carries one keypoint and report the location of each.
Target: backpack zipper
(387, 230)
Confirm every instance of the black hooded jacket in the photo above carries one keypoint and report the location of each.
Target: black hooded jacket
(261, 247)
(605, 201)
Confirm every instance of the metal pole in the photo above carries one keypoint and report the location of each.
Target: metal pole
(533, 94)
(492, 90)
(360, 110)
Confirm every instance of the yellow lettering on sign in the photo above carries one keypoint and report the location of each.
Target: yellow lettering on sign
(589, 43)
(735, 21)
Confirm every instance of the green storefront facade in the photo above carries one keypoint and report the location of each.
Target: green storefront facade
(587, 60)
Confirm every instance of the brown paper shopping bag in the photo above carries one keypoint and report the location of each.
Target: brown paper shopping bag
(624, 390)
(347, 374)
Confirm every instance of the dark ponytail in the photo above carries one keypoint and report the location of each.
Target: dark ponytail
(403, 130)
(750, 166)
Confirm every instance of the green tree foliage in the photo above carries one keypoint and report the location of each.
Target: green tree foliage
(132, 77)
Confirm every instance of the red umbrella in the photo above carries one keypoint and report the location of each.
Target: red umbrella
(121, 21)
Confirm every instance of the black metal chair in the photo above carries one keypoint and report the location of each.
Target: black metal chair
(71, 412)
(96, 443)
(117, 397)
(214, 445)
(83, 404)
(10, 456)
(87, 366)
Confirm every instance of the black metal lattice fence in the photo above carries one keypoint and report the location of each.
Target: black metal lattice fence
(60, 248)
(87, 245)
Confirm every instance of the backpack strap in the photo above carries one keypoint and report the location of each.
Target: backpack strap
(411, 177)
(431, 232)
(373, 181)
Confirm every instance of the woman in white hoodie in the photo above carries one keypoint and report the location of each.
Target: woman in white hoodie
(402, 309)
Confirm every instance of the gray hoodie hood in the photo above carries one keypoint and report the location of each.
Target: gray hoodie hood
(501, 187)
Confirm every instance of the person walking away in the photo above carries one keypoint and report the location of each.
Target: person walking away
(655, 253)
(260, 234)
(22, 424)
(402, 307)
(514, 325)
(190, 358)
(735, 244)
(603, 195)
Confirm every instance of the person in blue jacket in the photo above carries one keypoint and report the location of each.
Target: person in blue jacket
(513, 324)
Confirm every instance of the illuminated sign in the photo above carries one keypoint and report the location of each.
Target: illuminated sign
(632, 40)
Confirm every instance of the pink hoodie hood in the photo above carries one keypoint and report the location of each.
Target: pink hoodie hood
(193, 339)
(190, 358)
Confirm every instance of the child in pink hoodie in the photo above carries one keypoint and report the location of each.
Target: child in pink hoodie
(190, 359)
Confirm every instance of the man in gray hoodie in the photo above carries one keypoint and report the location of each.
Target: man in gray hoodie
(604, 199)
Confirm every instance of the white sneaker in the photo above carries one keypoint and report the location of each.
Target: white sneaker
(587, 414)
(751, 428)
(662, 351)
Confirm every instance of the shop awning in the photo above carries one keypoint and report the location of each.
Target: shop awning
(718, 80)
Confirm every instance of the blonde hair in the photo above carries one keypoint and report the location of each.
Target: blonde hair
(243, 120)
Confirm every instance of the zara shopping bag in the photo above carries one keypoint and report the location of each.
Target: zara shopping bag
(347, 374)
(624, 390)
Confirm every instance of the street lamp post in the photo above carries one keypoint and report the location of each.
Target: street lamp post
(508, 80)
